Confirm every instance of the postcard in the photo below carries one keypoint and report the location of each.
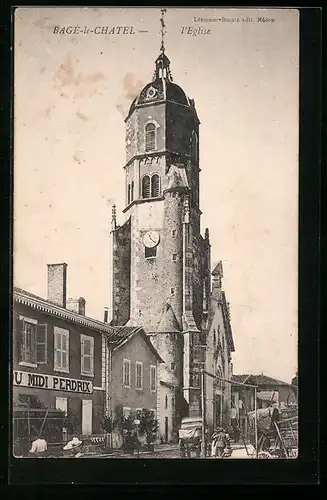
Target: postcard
(156, 170)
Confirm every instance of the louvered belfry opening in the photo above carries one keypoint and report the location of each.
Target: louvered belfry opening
(146, 187)
(155, 186)
(150, 137)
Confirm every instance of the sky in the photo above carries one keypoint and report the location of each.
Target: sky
(72, 93)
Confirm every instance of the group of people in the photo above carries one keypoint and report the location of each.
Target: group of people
(39, 447)
(220, 443)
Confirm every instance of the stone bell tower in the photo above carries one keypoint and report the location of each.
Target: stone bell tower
(160, 260)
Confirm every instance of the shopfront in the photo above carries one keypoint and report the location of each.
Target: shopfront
(81, 402)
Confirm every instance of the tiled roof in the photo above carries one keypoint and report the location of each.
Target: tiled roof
(26, 298)
(122, 334)
(240, 379)
(116, 335)
(259, 380)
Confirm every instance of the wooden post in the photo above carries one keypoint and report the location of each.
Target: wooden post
(42, 426)
(203, 412)
(255, 423)
(28, 422)
(281, 439)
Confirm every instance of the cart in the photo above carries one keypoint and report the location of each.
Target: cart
(277, 433)
(190, 435)
(287, 431)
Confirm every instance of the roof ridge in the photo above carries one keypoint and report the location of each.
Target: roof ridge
(70, 315)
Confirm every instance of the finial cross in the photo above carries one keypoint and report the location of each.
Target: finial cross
(162, 31)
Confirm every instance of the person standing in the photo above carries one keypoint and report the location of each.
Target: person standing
(220, 442)
(227, 450)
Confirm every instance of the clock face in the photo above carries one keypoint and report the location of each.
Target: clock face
(151, 239)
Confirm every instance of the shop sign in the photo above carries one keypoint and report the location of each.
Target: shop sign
(41, 381)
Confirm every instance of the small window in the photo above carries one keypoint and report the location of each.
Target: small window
(129, 194)
(126, 373)
(61, 349)
(155, 186)
(194, 147)
(172, 291)
(153, 378)
(172, 366)
(173, 233)
(138, 375)
(173, 402)
(150, 252)
(150, 137)
(166, 402)
(146, 187)
(174, 257)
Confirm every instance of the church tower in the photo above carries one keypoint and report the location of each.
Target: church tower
(161, 263)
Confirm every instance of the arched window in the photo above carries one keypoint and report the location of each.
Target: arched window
(132, 191)
(220, 382)
(155, 186)
(146, 187)
(194, 147)
(150, 137)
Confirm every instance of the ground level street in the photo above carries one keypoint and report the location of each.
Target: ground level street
(172, 452)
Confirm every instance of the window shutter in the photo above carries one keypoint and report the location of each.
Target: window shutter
(34, 344)
(63, 342)
(42, 341)
(92, 356)
(82, 355)
(57, 340)
(20, 339)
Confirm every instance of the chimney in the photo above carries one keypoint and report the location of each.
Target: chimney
(77, 305)
(57, 284)
(105, 319)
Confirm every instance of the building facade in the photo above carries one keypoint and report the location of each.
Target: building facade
(161, 261)
(219, 349)
(57, 356)
(86, 368)
(270, 391)
(134, 366)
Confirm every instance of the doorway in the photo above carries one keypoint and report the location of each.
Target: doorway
(61, 404)
(86, 417)
(166, 429)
